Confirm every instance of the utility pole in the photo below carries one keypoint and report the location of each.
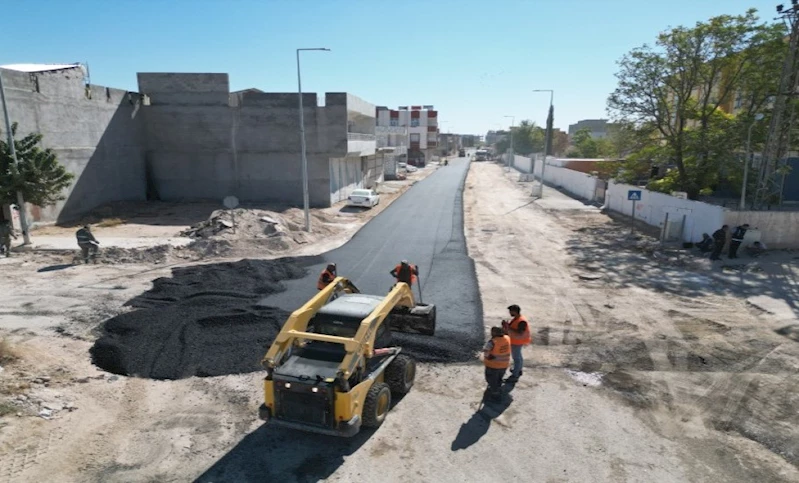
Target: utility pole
(23, 217)
(758, 117)
(548, 137)
(305, 201)
(512, 152)
(771, 174)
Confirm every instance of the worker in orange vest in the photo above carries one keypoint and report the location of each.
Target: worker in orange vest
(518, 329)
(405, 272)
(327, 276)
(496, 358)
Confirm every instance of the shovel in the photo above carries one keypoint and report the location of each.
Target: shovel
(419, 286)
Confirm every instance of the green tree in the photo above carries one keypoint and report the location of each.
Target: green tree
(679, 86)
(39, 175)
(527, 139)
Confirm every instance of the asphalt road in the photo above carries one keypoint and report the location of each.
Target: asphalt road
(211, 319)
(424, 226)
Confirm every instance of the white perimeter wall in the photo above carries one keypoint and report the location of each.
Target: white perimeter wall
(652, 209)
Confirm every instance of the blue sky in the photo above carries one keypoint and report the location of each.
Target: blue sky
(476, 61)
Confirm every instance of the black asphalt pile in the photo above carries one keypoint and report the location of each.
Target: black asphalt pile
(200, 322)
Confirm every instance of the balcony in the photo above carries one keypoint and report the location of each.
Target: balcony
(359, 144)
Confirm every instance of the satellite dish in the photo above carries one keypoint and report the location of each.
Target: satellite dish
(230, 202)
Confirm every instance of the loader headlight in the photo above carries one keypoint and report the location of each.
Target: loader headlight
(287, 385)
(314, 389)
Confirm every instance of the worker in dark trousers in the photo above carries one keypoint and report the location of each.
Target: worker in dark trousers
(737, 239)
(87, 243)
(6, 233)
(719, 239)
(327, 276)
(496, 358)
(405, 272)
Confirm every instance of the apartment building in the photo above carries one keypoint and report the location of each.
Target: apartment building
(421, 123)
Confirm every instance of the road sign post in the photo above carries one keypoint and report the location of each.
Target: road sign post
(633, 195)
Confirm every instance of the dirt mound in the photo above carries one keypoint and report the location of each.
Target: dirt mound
(200, 322)
(283, 229)
(114, 255)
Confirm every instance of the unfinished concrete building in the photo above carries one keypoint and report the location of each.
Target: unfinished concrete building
(186, 137)
(205, 142)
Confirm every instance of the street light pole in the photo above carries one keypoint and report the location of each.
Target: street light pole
(305, 201)
(512, 152)
(758, 117)
(23, 217)
(548, 137)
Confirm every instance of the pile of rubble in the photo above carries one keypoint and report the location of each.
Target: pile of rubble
(271, 230)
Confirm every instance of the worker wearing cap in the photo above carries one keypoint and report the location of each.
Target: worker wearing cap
(405, 272)
(518, 329)
(496, 358)
(327, 276)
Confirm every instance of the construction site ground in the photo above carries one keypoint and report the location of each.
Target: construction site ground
(646, 366)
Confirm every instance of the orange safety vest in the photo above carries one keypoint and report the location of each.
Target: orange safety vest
(411, 268)
(519, 339)
(501, 353)
(324, 279)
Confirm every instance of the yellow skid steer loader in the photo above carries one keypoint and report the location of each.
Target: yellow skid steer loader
(332, 368)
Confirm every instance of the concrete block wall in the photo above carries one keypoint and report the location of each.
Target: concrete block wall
(95, 132)
(778, 229)
(248, 147)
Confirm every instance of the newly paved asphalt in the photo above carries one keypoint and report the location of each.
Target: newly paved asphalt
(424, 226)
(201, 321)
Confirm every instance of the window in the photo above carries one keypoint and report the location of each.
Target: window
(394, 122)
(414, 122)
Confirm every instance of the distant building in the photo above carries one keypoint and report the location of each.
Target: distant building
(422, 125)
(600, 128)
(493, 137)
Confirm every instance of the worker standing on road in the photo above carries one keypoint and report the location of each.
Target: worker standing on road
(87, 243)
(6, 232)
(519, 331)
(496, 358)
(719, 239)
(327, 276)
(737, 238)
(405, 272)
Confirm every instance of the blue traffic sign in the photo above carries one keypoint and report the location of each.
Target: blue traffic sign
(634, 195)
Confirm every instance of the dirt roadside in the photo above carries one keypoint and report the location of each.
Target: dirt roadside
(640, 370)
(60, 415)
(614, 388)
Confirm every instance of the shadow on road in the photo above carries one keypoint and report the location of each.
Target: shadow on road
(477, 426)
(276, 454)
(53, 268)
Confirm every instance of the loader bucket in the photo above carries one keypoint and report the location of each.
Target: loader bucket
(418, 320)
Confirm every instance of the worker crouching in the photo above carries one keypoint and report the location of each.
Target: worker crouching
(405, 272)
(327, 276)
(496, 357)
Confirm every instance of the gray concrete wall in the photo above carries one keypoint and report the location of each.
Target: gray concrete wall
(95, 132)
(248, 147)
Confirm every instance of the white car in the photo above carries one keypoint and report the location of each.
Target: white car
(363, 198)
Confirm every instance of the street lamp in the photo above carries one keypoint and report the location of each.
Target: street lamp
(758, 117)
(305, 201)
(512, 152)
(548, 138)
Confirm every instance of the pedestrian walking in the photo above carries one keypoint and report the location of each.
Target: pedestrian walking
(496, 358)
(737, 238)
(518, 329)
(719, 239)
